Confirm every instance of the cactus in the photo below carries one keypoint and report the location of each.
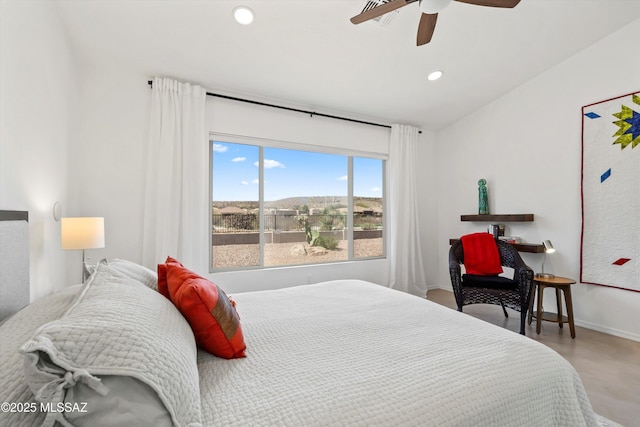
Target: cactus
(311, 235)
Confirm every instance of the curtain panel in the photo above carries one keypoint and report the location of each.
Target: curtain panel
(406, 262)
(176, 187)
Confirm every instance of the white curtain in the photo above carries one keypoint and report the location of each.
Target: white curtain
(176, 190)
(406, 269)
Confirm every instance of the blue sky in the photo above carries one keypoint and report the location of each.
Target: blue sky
(289, 173)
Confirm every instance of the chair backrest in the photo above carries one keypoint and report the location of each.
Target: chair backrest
(509, 255)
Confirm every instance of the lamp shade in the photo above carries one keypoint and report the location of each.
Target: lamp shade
(548, 247)
(82, 233)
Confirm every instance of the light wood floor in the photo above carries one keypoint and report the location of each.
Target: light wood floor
(608, 365)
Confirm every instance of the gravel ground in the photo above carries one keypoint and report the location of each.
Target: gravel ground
(277, 254)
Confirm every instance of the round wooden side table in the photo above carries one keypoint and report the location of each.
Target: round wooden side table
(561, 284)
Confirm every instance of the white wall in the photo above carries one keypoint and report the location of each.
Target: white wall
(427, 180)
(527, 144)
(107, 164)
(36, 103)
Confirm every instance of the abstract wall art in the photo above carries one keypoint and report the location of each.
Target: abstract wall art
(610, 243)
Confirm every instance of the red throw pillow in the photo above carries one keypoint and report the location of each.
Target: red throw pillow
(163, 287)
(481, 256)
(210, 312)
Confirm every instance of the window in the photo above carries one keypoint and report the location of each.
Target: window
(367, 207)
(235, 209)
(277, 206)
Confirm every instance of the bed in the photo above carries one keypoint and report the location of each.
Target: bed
(14, 261)
(115, 351)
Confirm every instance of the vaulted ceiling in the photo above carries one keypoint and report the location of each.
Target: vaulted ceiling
(307, 53)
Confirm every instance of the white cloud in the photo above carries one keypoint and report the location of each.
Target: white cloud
(256, 181)
(343, 178)
(376, 190)
(238, 159)
(219, 148)
(244, 182)
(270, 164)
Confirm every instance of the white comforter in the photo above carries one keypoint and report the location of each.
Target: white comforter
(354, 353)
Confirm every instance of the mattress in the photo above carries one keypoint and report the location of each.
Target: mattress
(354, 353)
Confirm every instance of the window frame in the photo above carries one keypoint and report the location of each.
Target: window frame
(262, 143)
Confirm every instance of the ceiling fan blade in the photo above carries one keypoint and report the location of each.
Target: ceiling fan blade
(426, 27)
(380, 10)
(492, 3)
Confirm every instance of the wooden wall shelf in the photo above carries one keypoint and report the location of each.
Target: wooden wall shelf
(521, 247)
(503, 218)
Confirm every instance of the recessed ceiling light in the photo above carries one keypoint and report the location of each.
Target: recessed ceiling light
(243, 15)
(435, 75)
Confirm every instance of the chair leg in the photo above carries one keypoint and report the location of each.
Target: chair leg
(531, 301)
(523, 318)
(539, 312)
(504, 310)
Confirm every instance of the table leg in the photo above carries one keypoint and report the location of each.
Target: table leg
(559, 305)
(567, 300)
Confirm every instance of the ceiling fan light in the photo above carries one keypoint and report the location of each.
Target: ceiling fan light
(243, 15)
(433, 6)
(434, 75)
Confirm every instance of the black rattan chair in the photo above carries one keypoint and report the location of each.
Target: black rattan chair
(470, 289)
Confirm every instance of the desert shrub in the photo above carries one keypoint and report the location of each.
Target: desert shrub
(328, 243)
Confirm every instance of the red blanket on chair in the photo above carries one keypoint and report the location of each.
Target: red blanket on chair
(481, 256)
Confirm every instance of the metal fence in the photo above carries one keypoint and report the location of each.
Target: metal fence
(233, 223)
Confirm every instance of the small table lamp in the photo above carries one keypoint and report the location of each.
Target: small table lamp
(82, 233)
(548, 249)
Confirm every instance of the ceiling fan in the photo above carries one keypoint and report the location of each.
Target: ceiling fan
(429, 9)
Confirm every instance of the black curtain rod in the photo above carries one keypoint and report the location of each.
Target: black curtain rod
(311, 113)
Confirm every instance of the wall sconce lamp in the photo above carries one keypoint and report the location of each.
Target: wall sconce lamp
(82, 233)
(548, 249)
(57, 211)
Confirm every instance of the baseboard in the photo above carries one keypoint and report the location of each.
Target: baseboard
(447, 287)
(605, 330)
(581, 323)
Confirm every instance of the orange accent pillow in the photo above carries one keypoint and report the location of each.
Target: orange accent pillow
(163, 287)
(210, 312)
(481, 256)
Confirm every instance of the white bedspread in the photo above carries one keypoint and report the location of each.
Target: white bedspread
(354, 353)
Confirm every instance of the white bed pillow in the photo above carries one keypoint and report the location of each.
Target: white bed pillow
(135, 271)
(122, 329)
(13, 333)
(130, 402)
